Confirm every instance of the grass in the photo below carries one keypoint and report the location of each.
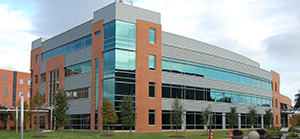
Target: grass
(4, 134)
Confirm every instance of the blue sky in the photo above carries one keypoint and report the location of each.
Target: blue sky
(267, 31)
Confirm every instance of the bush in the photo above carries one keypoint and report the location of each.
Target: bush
(261, 131)
(237, 132)
(269, 134)
(293, 134)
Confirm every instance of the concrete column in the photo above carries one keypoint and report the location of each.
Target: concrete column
(239, 121)
(184, 121)
(223, 120)
(262, 121)
(8, 122)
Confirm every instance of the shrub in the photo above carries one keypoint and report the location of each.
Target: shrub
(261, 131)
(293, 134)
(269, 134)
(237, 132)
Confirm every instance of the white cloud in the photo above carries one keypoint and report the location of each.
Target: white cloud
(15, 39)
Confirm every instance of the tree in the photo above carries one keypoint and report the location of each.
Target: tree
(177, 113)
(233, 117)
(109, 114)
(205, 115)
(295, 120)
(26, 113)
(128, 113)
(252, 116)
(60, 110)
(3, 116)
(37, 101)
(297, 101)
(268, 120)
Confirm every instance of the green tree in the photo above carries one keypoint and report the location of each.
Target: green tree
(206, 112)
(295, 120)
(177, 113)
(252, 116)
(26, 113)
(232, 119)
(268, 120)
(109, 114)
(60, 110)
(37, 101)
(297, 101)
(3, 116)
(128, 113)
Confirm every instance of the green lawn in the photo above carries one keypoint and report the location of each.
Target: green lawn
(4, 134)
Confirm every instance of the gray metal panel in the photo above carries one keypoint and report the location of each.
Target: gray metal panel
(79, 106)
(195, 45)
(107, 13)
(130, 13)
(43, 88)
(37, 43)
(181, 79)
(194, 105)
(213, 60)
(43, 67)
(77, 81)
(68, 36)
(125, 12)
(79, 56)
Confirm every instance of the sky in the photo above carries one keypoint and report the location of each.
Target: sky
(267, 31)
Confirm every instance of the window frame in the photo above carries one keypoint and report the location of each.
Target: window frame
(152, 84)
(152, 31)
(151, 113)
(153, 65)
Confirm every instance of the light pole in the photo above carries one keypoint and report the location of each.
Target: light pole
(22, 114)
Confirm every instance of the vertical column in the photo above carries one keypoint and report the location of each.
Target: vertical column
(8, 122)
(183, 126)
(239, 121)
(223, 120)
(262, 121)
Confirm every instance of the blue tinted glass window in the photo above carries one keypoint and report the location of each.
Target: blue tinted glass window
(37, 59)
(199, 71)
(97, 33)
(67, 48)
(210, 73)
(78, 68)
(189, 69)
(219, 97)
(151, 62)
(109, 89)
(176, 67)
(152, 35)
(234, 98)
(166, 65)
(227, 76)
(219, 75)
(242, 99)
(125, 60)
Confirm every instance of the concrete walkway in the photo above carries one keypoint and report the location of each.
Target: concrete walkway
(283, 136)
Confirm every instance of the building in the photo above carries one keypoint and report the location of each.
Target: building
(123, 51)
(12, 84)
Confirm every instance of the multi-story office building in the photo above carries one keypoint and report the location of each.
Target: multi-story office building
(12, 84)
(123, 51)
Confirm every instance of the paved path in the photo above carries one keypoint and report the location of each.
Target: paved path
(283, 136)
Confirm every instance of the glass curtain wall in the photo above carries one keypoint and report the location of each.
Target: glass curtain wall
(119, 63)
(53, 84)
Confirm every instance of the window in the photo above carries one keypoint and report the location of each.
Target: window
(151, 62)
(29, 82)
(5, 78)
(43, 77)
(4, 104)
(21, 81)
(5, 91)
(97, 33)
(36, 79)
(151, 89)
(152, 35)
(37, 59)
(28, 94)
(151, 117)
